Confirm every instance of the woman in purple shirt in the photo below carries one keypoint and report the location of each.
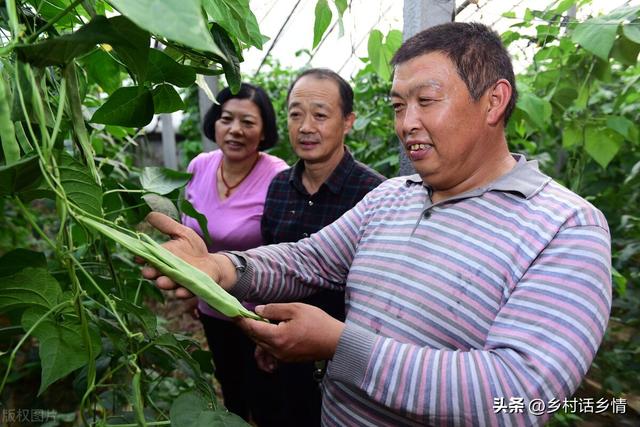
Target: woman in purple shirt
(229, 188)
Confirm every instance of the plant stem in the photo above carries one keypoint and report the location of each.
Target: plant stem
(27, 335)
(122, 190)
(35, 225)
(53, 20)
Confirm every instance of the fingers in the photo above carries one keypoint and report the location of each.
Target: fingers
(165, 224)
(277, 312)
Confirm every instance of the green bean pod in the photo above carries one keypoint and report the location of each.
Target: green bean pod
(180, 271)
(7, 131)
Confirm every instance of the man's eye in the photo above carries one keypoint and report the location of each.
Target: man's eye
(397, 107)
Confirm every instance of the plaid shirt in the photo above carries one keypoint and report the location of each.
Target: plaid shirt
(291, 213)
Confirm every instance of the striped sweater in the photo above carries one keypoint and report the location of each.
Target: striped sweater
(501, 292)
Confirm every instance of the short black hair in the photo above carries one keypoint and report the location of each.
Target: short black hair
(346, 93)
(476, 50)
(255, 94)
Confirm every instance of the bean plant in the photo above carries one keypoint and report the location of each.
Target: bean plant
(79, 79)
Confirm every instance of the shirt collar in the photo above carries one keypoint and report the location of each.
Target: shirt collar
(525, 179)
(336, 180)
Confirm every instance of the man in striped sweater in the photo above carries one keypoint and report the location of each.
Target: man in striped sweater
(473, 288)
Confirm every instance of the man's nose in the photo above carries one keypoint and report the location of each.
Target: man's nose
(411, 119)
(306, 126)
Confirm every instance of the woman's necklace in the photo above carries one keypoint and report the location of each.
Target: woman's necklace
(231, 187)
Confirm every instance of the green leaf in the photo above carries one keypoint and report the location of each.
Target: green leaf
(231, 66)
(162, 68)
(623, 126)
(378, 55)
(625, 51)
(538, 110)
(161, 204)
(62, 348)
(19, 259)
(394, 40)
(178, 20)
(191, 409)
(79, 185)
(161, 180)
(61, 50)
(103, 70)
(49, 9)
(322, 20)
(631, 32)
(597, 36)
(29, 287)
(143, 316)
(602, 144)
(166, 99)
(571, 136)
(187, 209)
(19, 177)
(127, 106)
(341, 5)
(236, 17)
(135, 53)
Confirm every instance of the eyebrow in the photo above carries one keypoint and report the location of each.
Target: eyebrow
(427, 84)
(313, 104)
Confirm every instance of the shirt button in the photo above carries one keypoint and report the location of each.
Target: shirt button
(426, 214)
(310, 203)
(305, 234)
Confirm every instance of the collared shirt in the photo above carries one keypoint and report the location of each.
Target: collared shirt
(501, 292)
(291, 213)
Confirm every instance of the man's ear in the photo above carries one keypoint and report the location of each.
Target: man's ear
(499, 97)
(349, 120)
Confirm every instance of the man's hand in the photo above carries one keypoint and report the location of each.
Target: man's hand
(186, 244)
(304, 332)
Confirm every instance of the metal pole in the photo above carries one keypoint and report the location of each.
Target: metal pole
(169, 157)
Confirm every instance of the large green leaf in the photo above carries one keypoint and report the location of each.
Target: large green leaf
(22, 176)
(231, 66)
(538, 110)
(597, 36)
(192, 409)
(29, 287)
(162, 68)
(62, 348)
(61, 50)
(79, 185)
(128, 106)
(166, 99)
(322, 20)
(135, 53)
(602, 144)
(236, 18)
(179, 20)
(19, 259)
(162, 181)
(378, 55)
(103, 70)
(187, 209)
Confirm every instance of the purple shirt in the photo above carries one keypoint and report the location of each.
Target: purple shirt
(234, 223)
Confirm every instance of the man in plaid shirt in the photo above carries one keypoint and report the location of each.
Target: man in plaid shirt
(325, 183)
